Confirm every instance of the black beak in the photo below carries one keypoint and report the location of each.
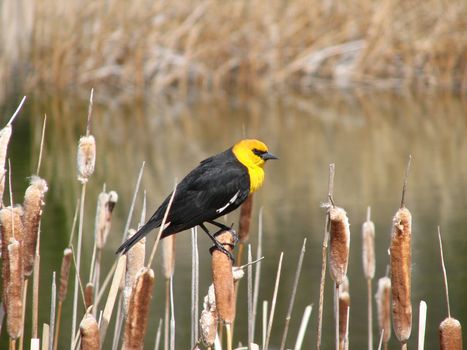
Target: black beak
(267, 156)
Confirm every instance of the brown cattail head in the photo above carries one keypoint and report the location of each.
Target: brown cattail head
(450, 334)
(134, 263)
(33, 204)
(90, 337)
(401, 274)
(138, 310)
(168, 256)
(105, 205)
(368, 240)
(209, 319)
(383, 304)
(339, 244)
(88, 295)
(223, 278)
(64, 273)
(5, 135)
(86, 158)
(344, 304)
(245, 219)
(10, 226)
(15, 290)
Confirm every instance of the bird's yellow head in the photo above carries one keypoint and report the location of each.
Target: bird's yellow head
(253, 154)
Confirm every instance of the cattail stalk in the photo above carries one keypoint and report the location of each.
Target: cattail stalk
(138, 310)
(5, 135)
(303, 327)
(33, 204)
(294, 292)
(90, 339)
(109, 305)
(383, 304)
(421, 325)
(86, 158)
(368, 239)
(259, 252)
(168, 263)
(450, 329)
(324, 251)
(344, 305)
(62, 290)
(194, 286)
(53, 300)
(273, 302)
(14, 290)
(401, 274)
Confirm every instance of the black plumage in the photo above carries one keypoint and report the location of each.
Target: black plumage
(217, 186)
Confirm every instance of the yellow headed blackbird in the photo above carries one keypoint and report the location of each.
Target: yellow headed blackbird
(216, 187)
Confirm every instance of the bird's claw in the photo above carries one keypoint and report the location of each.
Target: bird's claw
(221, 248)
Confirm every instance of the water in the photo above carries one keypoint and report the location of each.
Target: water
(368, 136)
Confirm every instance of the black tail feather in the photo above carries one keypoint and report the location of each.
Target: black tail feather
(130, 242)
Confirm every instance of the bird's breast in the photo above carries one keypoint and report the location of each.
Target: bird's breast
(256, 175)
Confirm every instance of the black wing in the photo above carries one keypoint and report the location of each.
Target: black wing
(216, 187)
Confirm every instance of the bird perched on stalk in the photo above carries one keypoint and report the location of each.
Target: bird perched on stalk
(217, 186)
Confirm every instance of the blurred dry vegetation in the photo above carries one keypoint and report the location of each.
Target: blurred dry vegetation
(130, 47)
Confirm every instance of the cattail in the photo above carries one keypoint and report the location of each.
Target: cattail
(5, 135)
(401, 274)
(368, 240)
(344, 304)
(245, 219)
(383, 304)
(10, 219)
(33, 204)
(90, 338)
(14, 289)
(209, 319)
(105, 205)
(223, 278)
(88, 295)
(339, 244)
(134, 263)
(168, 256)
(138, 310)
(450, 334)
(86, 157)
(64, 273)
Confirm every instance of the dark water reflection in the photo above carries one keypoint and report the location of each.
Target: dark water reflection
(367, 136)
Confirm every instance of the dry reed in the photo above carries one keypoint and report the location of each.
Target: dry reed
(134, 263)
(138, 310)
(89, 330)
(383, 304)
(168, 264)
(14, 290)
(33, 204)
(369, 263)
(401, 274)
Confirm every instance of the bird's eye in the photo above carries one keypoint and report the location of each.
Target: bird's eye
(258, 152)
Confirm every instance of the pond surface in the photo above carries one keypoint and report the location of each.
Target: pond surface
(368, 136)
